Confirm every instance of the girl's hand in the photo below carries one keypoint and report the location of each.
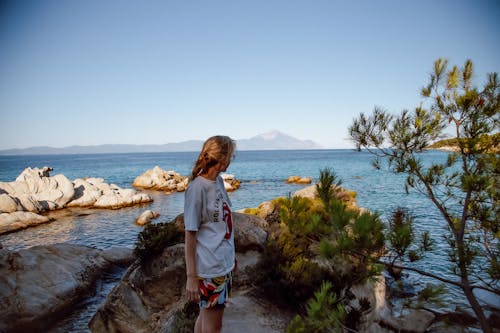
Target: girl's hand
(192, 289)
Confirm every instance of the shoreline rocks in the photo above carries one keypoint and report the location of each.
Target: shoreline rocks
(41, 284)
(299, 180)
(34, 192)
(150, 292)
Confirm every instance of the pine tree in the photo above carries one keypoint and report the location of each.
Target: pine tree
(465, 188)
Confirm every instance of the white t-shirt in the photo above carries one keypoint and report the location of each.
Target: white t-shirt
(207, 211)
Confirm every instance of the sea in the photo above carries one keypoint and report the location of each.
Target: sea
(262, 175)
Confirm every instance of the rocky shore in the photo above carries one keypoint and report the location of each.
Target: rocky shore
(26, 201)
(34, 192)
(39, 285)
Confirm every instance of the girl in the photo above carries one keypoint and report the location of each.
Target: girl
(209, 244)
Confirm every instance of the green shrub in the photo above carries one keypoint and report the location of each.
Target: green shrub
(320, 242)
(325, 314)
(155, 238)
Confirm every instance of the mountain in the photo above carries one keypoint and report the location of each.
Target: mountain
(273, 140)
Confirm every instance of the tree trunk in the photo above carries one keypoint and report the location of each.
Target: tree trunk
(476, 307)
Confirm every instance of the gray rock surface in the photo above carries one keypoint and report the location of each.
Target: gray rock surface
(40, 284)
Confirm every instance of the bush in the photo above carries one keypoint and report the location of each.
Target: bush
(325, 313)
(155, 238)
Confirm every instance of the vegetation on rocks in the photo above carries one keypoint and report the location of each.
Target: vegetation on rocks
(155, 238)
(320, 242)
(491, 142)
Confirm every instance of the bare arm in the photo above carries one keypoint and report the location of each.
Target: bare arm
(192, 290)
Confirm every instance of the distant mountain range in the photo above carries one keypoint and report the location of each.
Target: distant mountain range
(273, 140)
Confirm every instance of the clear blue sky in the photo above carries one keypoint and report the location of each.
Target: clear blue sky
(152, 72)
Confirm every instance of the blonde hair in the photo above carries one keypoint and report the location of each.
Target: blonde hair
(215, 149)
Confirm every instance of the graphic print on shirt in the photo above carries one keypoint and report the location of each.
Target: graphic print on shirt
(226, 216)
(218, 198)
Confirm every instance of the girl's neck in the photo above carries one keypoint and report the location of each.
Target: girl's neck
(211, 174)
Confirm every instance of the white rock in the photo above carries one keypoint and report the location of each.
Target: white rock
(19, 220)
(7, 204)
(86, 194)
(146, 217)
(159, 179)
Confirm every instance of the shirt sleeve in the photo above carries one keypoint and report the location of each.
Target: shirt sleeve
(192, 207)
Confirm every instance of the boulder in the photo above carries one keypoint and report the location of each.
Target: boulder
(52, 192)
(149, 292)
(159, 179)
(146, 217)
(249, 233)
(143, 292)
(246, 314)
(415, 321)
(230, 182)
(39, 285)
(299, 180)
(119, 255)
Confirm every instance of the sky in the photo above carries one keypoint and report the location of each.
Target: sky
(153, 72)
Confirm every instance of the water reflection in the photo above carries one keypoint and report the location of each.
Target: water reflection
(99, 228)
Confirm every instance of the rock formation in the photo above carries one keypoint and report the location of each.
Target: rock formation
(148, 294)
(230, 182)
(161, 180)
(299, 180)
(146, 217)
(39, 285)
(34, 191)
(171, 181)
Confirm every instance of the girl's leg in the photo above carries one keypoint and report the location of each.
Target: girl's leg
(210, 320)
(197, 325)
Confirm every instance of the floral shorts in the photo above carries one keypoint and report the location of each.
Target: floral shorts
(214, 292)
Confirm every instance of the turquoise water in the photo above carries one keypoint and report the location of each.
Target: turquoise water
(263, 175)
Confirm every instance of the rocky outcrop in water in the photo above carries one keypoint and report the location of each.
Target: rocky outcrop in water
(171, 181)
(41, 284)
(34, 192)
(299, 180)
(161, 180)
(230, 182)
(146, 217)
